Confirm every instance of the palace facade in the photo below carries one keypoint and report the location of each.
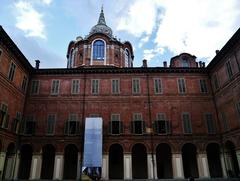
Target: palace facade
(171, 121)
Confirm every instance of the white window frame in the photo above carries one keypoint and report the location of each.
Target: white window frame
(139, 85)
(78, 87)
(105, 50)
(92, 80)
(190, 123)
(184, 85)
(53, 124)
(12, 73)
(53, 91)
(159, 80)
(38, 87)
(118, 86)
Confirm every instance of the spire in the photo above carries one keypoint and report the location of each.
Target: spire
(101, 19)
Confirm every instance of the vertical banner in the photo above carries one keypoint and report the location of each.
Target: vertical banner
(92, 156)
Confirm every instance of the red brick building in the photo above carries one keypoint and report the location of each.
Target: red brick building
(173, 121)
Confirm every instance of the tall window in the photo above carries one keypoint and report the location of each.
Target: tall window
(225, 124)
(29, 126)
(127, 56)
(24, 83)
(203, 86)
(138, 126)
(215, 81)
(98, 50)
(55, 87)
(210, 123)
(161, 125)
(185, 63)
(135, 86)
(72, 125)
(229, 69)
(116, 124)
(181, 85)
(16, 122)
(11, 72)
(157, 86)
(35, 87)
(4, 117)
(51, 124)
(95, 86)
(187, 125)
(75, 86)
(115, 86)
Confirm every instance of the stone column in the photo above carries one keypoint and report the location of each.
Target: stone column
(105, 167)
(177, 165)
(127, 161)
(17, 166)
(152, 167)
(2, 162)
(58, 167)
(223, 164)
(238, 157)
(78, 166)
(203, 168)
(36, 167)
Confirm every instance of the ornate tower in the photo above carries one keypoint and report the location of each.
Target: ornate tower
(99, 48)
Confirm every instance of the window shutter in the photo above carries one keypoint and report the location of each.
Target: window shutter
(168, 127)
(132, 127)
(154, 126)
(121, 127)
(77, 127)
(110, 127)
(66, 127)
(143, 127)
(6, 121)
(33, 127)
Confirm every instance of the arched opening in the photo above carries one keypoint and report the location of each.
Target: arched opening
(98, 50)
(164, 161)
(25, 162)
(115, 162)
(70, 162)
(139, 162)
(231, 159)
(48, 157)
(9, 162)
(214, 162)
(190, 167)
(127, 58)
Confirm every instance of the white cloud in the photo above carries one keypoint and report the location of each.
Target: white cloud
(143, 41)
(29, 20)
(197, 27)
(47, 2)
(140, 18)
(149, 54)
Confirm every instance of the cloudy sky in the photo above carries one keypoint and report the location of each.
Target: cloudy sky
(157, 29)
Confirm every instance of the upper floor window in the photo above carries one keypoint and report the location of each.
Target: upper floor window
(229, 69)
(51, 124)
(98, 50)
(210, 123)
(135, 86)
(225, 124)
(4, 117)
(55, 87)
(203, 86)
(75, 86)
(11, 72)
(95, 86)
(24, 83)
(16, 122)
(29, 125)
(185, 63)
(181, 85)
(35, 87)
(115, 124)
(127, 57)
(215, 81)
(138, 125)
(187, 125)
(157, 86)
(72, 126)
(161, 125)
(115, 86)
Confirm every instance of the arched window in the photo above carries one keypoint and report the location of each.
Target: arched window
(98, 50)
(72, 57)
(127, 56)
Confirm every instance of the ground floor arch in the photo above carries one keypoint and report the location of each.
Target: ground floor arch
(164, 161)
(139, 162)
(214, 160)
(231, 159)
(26, 153)
(189, 157)
(48, 157)
(115, 162)
(9, 161)
(70, 162)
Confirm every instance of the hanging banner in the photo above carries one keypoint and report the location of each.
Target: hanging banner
(92, 156)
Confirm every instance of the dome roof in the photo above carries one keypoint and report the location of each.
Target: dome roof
(101, 26)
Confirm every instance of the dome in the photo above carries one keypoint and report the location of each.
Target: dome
(101, 26)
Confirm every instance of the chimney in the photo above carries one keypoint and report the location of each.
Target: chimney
(203, 64)
(144, 63)
(200, 64)
(217, 51)
(37, 64)
(165, 64)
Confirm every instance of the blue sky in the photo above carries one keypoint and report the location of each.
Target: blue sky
(157, 29)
